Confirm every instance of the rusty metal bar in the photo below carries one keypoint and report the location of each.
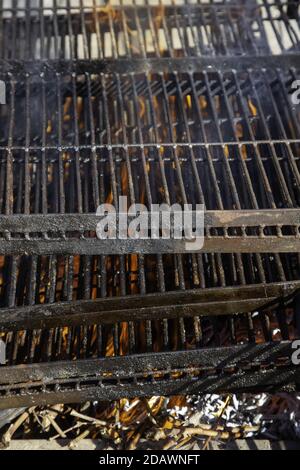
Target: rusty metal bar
(95, 246)
(204, 302)
(187, 104)
(81, 222)
(163, 374)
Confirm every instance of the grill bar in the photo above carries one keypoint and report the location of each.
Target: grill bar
(190, 372)
(216, 244)
(258, 150)
(239, 356)
(276, 379)
(228, 300)
(53, 238)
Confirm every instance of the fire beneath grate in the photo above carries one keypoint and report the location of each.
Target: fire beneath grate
(160, 121)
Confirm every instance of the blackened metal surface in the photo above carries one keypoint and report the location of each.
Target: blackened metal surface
(81, 30)
(196, 302)
(240, 368)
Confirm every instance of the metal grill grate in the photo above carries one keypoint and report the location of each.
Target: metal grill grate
(92, 30)
(209, 138)
(147, 109)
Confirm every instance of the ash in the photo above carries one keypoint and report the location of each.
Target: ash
(178, 422)
(262, 415)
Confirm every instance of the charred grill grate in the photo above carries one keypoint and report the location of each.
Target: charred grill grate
(164, 373)
(92, 30)
(207, 137)
(135, 101)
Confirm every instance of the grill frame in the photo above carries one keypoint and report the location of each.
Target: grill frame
(251, 367)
